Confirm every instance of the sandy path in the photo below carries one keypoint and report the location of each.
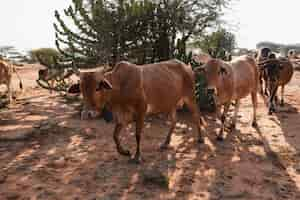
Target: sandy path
(71, 159)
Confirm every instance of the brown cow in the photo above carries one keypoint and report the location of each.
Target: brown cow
(131, 92)
(230, 81)
(6, 71)
(277, 73)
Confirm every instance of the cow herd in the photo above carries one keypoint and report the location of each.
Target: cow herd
(274, 73)
(131, 92)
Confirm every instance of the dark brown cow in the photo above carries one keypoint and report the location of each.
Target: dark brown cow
(230, 81)
(131, 92)
(6, 71)
(277, 73)
(262, 55)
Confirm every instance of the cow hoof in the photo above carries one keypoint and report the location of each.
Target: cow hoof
(220, 138)
(200, 140)
(124, 152)
(281, 103)
(135, 160)
(254, 124)
(163, 147)
(272, 110)
(232, 126)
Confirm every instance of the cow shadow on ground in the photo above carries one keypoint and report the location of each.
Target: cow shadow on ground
(234, 168)
(282, 145)
(78, 160)
(287, 118)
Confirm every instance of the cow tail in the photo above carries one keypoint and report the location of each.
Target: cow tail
(20, 80)
(256, 70)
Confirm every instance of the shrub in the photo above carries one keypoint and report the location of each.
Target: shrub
(47, 55)
(204, 100)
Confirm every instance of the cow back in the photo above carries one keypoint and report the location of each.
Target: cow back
(245, 76)
(158, 86)
(165, 84)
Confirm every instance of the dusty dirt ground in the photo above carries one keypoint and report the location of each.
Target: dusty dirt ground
(46, 152)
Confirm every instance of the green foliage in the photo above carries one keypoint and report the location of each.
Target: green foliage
(48, 56)
(218, 43)
(141, 31)
(204, 100)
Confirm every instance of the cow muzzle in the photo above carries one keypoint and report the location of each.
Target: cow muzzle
(89, 114)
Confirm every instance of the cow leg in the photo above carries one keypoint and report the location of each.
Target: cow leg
(220, 136)
(261, 84)
(9, 91)
(276, 99)
(236, 110)
(51, 85)
(139, 129)
(282, 94)
(218, 113)
(254, 104)
(197, 119)
(271, 100)
(117, 132)
(266, 88)
(166, 143)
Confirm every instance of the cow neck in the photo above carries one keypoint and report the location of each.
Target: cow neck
(108, 93)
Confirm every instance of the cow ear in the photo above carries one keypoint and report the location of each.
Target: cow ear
(74, 89)
(223, 71)
(202, 58)
(104, 84)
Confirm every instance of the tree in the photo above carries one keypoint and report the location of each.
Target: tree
(45, 55)
(142, 31)
(218, 43)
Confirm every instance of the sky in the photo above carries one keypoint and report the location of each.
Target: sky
(28, 24)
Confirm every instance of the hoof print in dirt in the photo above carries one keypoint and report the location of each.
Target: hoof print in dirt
(155, 177)
(46, 127)
(88, 133)
(58, 163)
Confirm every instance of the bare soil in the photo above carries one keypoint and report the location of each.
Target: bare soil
(47, 152)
